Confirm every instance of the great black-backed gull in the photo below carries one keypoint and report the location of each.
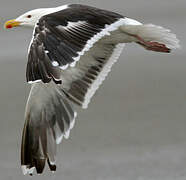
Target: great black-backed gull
(71, 52)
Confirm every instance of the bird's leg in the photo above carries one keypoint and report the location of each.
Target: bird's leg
(151, 37)
(153, 46)
(150, 45)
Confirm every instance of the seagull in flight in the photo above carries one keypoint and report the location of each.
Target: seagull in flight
(72, 50)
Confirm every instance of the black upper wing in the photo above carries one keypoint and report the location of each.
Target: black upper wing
(62, 37)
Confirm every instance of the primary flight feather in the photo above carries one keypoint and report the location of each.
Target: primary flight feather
(71, 52)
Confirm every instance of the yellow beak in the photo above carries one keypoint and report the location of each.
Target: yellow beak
(11, 23)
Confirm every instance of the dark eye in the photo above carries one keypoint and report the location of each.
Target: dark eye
(29, 16)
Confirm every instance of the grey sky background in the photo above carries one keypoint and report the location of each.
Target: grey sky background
(134, 128)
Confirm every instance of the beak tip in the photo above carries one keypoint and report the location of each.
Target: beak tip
(7, 26)
(10, 24)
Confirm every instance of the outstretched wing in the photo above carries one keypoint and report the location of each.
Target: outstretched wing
(61, 38)
(49, 117)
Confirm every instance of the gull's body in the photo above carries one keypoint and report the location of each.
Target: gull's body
(71, 52)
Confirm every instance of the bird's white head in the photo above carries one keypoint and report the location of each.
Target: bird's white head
(28, 19)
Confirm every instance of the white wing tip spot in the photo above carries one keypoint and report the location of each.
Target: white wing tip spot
(73, 121)
(59, 139)
(31, 82)
(67, 134)
(64, 67)
(73, 64)
(26, 170)
(55, 63)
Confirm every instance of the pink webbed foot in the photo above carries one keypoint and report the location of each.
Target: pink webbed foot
(153, 46)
